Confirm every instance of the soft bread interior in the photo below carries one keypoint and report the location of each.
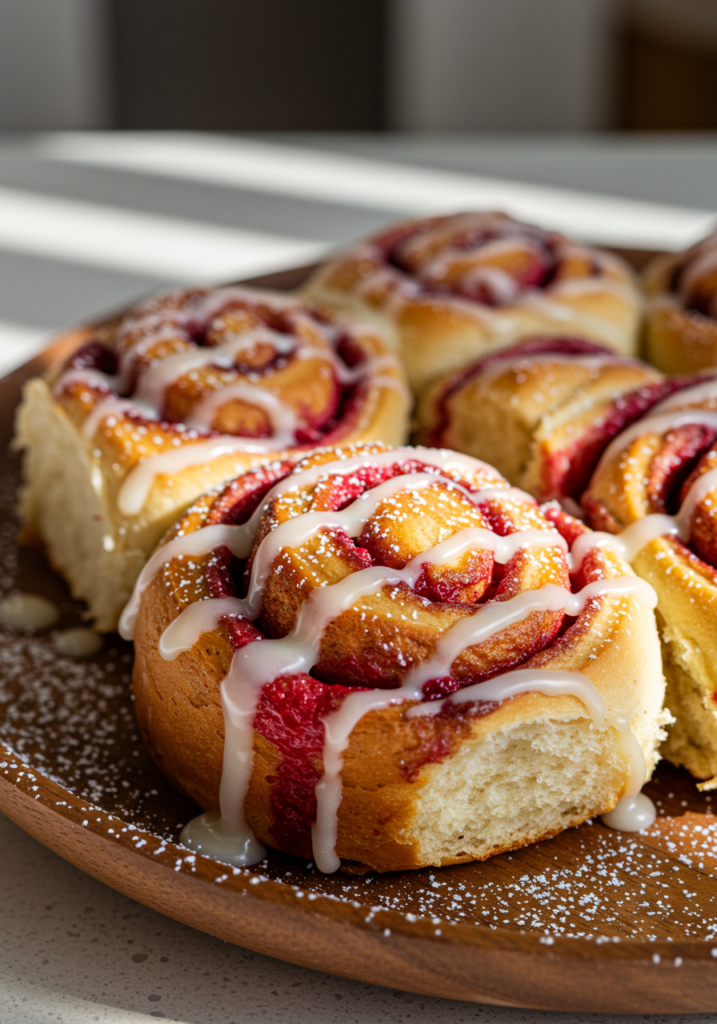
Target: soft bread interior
(692, 739)
(514, 787)
(65, 501)
(489, 426)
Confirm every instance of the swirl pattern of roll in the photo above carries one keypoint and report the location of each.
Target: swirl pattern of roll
(656, 486)
(446, 290)
(412, 666)
(181, 394)
(681, 316)
(541, 411)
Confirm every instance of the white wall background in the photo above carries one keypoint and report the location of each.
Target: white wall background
(53, 64)
(501, 64)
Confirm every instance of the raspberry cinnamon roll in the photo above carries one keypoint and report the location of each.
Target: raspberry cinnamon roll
(448, 289)
(681, 323)
(183, 393)
(391, 656)
(656, 488)
(541, 411)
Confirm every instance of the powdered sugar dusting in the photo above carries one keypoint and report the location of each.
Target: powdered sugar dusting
(71, 721)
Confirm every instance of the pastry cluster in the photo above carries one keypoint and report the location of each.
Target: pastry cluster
(447, 289)
(355, 651)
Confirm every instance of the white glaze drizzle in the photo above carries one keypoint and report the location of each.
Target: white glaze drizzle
(157, 378)
(282, 417)
(631, 813)
(77, 642)
(137, 484)
(197, 618)
(90, 378)
(259, 662)
(239, 539)
(630, 541)
(198, 543)
(28, 613)
(106, 409)
(106, 405)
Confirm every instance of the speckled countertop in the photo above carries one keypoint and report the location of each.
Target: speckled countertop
(73, 951)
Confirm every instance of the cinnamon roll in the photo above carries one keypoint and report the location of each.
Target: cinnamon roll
(656, 487)
(183, 393)
(393, 657)
(446, 290)
(541, 411)
(681, 320)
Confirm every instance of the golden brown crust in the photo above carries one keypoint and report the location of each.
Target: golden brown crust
(592, 295)
(392, 768)
(541, 411)
(678, 337)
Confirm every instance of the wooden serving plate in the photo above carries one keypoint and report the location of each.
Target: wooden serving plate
(592, 920)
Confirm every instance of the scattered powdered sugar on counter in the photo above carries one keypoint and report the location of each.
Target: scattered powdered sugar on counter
(71, 717)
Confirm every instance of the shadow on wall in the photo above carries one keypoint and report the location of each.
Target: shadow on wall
(483, 65)
(262, 64)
